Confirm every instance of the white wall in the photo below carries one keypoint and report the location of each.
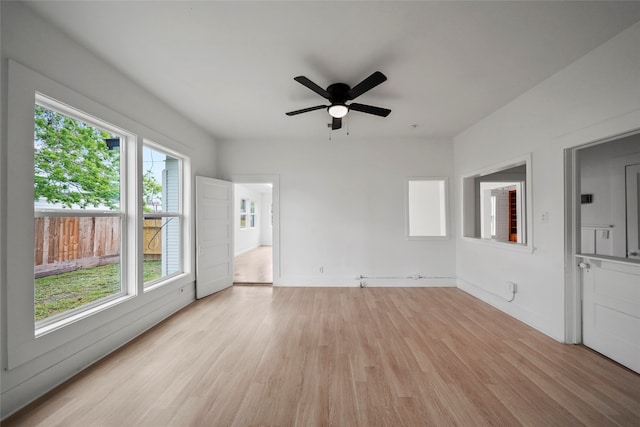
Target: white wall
(596, 97)
(29, 40)
(342, 207)
(249, 238)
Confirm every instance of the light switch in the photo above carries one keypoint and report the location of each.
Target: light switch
(544, 217)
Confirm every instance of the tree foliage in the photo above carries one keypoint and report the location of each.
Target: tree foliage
(151, 190)
(73, 165)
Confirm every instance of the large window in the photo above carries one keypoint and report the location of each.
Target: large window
(162, 194)
(79, 194)
(86, 180)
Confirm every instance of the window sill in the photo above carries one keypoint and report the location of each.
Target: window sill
(428, 237)
(513, 247)
(44, 330)
(180, 278)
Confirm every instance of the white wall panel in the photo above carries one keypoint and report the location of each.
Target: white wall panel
(342, 206)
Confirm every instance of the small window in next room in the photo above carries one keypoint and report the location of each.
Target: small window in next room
(252, 215)
(243, 213)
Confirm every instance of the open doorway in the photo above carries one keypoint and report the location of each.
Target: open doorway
(253, 234)
(603, 245)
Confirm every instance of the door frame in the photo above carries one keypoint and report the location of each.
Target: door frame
(572, 221)
(274, 180)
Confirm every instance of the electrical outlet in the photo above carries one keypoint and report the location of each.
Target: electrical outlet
(513, 287)
(321, 269)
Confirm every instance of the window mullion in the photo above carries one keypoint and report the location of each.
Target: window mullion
(134, 203)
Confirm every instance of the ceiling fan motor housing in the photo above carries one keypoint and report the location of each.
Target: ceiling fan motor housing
(338, 93)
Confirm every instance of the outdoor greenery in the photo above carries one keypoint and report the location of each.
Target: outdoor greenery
(66, 291)
(73, 165)
(151, 189)
(77, 165)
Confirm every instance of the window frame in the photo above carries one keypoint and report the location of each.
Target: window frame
(468, 203)
(23, 344)
(127, 285)
(155, 283)
(444, 206)
(243, 213)
(252, 214)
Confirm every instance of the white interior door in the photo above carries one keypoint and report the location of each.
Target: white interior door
(633, 213)
(611, 292)
(611, 310)
(214, 236)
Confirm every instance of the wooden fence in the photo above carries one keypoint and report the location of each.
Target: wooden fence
(70, 243)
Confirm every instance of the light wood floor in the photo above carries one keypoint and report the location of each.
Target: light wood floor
(254, 266)
(251, 356)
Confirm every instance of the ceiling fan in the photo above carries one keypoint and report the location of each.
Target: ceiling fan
(339, 93)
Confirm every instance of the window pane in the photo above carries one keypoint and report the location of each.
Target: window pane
(427, 208)
(76, 165)
(77, 262)
(162, 248)
(161, 182)
(252, 215)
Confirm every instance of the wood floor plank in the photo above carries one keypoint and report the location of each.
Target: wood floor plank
(254, 266)
(253, 356)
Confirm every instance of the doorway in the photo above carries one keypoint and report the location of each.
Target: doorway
(602, 225)
(255, 230)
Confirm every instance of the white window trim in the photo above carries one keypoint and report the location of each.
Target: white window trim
(252, 215)
(445, 179)
(184, 230)
(127, 229)
(244, 214)
(465, 202)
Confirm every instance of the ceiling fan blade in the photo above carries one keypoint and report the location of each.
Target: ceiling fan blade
(367, 84)
(311, 85)
(336, 123)
(306, 110)
(370, 109)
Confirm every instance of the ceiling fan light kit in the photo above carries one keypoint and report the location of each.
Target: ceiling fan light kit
(338, 111)
(339, 93)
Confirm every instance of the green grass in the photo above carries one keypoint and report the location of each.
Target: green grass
(62, 292)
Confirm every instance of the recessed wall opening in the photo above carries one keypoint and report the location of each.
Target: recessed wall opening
(496, 205)
(253, 234)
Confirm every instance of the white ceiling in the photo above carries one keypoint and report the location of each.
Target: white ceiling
(229, 66)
